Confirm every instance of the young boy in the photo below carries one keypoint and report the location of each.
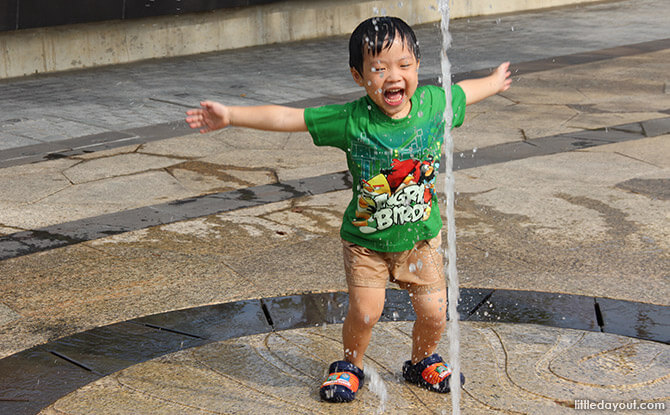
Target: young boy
(391, 228)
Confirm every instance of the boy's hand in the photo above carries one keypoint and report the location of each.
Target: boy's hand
(501, 77)
(477, 89)
(211, 116)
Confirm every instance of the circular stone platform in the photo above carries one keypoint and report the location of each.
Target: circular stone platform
(511, 368)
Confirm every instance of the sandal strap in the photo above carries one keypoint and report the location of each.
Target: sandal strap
(436, 373)
(346, 379)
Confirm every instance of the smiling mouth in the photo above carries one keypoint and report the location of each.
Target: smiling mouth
(394, 96)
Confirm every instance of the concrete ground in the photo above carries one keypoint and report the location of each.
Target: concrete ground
(111, 211)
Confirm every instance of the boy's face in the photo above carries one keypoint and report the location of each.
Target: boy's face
(390, 78)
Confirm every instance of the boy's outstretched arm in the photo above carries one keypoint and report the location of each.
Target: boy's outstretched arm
(481, 88)
(213, 116)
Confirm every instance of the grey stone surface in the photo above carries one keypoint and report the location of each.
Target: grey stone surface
(7, 315)
(76, 103)
(120, 165)
(147, 217)
(510, 368)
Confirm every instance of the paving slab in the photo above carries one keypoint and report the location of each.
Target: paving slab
(510, 368)
(137, 224)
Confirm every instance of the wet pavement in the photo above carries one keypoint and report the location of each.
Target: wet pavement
(146, 269)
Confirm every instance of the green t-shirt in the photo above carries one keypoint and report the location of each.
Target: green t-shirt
(393, 163)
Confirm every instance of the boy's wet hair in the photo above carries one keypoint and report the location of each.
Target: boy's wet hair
(377, 33)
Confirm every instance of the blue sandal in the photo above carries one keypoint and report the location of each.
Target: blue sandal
(430, 373)
(342, 383)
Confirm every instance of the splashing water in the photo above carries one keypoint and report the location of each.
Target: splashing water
(453, 331)
(378, 387)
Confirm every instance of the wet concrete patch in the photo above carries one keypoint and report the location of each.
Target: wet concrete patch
(652, 188)
(215, 322)
(528, 307)
(35, 378)
(107, 349)
(398, 305)
(299, 311)
(656, 127)
(639, 320)
(32, 379)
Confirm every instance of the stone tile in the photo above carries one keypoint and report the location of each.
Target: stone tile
(331, 167)
(281, 159)
(11, 248)
(39, 378)
(97, 153)
(640, 320)
(508, 368)
(36, 182)
(198, 183)
(656, 127)
(306, 269)
(7, 315)
(148, 278)
(48, 128)
(11, 141)
(652, 150)
(187, 146)
(299, 311)
(549, 309)
(115, 166)
(512, 124)
(213, 323)
(141, 189)
(398, 305)
(570, 364)
(105, 350)
(608, 119)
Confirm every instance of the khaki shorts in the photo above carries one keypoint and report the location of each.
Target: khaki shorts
(419, 270)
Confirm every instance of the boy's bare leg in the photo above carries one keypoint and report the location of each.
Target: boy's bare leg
(431, 319)
(365, 307)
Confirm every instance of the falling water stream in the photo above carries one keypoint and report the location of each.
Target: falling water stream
(452, 274)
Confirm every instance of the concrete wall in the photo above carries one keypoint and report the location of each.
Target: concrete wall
(58, 48)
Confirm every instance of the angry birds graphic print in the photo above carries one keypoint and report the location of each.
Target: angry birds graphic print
(398, 195)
